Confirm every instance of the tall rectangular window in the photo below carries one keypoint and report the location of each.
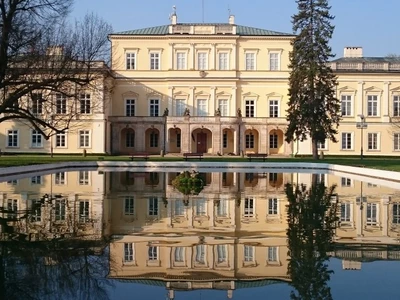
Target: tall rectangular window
(153, 139)
(179, 254)
(396, 141)
(223, 107)
(153, 206)
(130, 107)
(36, 179)
(130, 139)
(347, 142)
(84, 138)
(250, 61)
(372, 105)
(83, 211)
(129, 205)
(201, 107)
(179, 208)
(181, 60)
(396, 106)
(248, 253)
(346, 105)
(273, 141)
(61, 104)
(12, 208)
(345, 212)
(372, 214)
(221, 253)
(272, 254)
(373, 141)
(12, 138)
(201, 254)
(36, 213)
(200, 207)
(248, 207)
(83, 177)
(59, 209)
(59, 178)
(274, 61)
(154, 107)
(85, 103)
(178, 139)
(61, 140)
(272, 206)
(273, 108)
(130, 61)
(250, 108)
(128, 252)
(37, 104)
(345, 182)
(222, 208)
(223, 61)
(249, 141)
(153, 253)
(36, 139)
(180, 106)
(202, 61)
(154, 61)
(225, 139)
(396, 214)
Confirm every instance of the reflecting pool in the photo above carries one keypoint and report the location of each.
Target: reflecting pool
(130, 234)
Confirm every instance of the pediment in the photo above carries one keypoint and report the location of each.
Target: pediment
(181, 93)
(347, 89)
(373, 89)
(251, 94)
(153, 94)
(202, 93)
(130, 94)
(274, 94)
(221, 94)
(395, 89)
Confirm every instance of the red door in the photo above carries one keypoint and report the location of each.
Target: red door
(201, 142)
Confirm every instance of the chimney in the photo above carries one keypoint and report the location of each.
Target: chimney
(353, 52)
(232, 19)
(173, 17)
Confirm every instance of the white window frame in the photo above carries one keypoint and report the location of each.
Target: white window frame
(84, 177)
(396, 105)
(153, 253)
(276, 65)
(181, 62)
(247, 102)
(200, 206)
(37, 179)
(273, 140)
(374, 139)
(221, 254)
(131, 102)
(396, 214)
(179, 254)
(374, 219)
(223, 63)
(156, 103)
(60, 178)
(346, 213)
(61, 104)
(346, 182)
(153, 207)
(202, 62)
(202, 107)
(37, 102)
(60, 210)
(223, 105)
(250, 211)
(86, 135)
(129, 206)
(201, 254)
(273, 206)
(63, 140)
(132, 60)
(155, 60)
(322, 145)
(274, 107)
(14, 134)
(273, 255)
(396, 141)
(248, 253)
(38, 136)
(250, 63)
(129, 253)
(351, 141)
(346, 100)
(373, 100)
(85, 102)
(84, 210)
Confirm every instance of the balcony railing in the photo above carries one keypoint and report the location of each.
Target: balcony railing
(365, 66)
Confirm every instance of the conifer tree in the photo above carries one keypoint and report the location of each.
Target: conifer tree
(313, 109)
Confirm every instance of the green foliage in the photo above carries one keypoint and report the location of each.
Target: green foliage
(313, 109)
(188, 183)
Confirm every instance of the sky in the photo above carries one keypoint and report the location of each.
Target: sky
(370, 24)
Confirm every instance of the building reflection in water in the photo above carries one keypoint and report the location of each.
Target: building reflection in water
(241, 230)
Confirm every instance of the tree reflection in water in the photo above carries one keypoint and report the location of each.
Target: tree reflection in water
(52, 268)
(311, 223)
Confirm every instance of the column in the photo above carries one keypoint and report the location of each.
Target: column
(170, 100)
(234, 58)
(385, 102)
(359, 221)
(360, 98)
(214, 57)
(213, 106)
(193, 65)
(191, 104)
(385, 201)
(171, 58)
(233, 104)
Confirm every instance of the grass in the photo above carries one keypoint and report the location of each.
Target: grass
(383, 163)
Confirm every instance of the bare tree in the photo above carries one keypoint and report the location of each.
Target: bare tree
(47, 64)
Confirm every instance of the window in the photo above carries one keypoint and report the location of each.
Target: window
(153, 253)
(248, 207)
(273, 108)
(12, 182)
(12, 138)
(202, 60)
(178, 140)
(372, 103)
(36, 139)
(225, 139)
(347, 141)
(396, 106)
(61, 104)
(83, 177)
(273, 141)
(12, 208)
(128, 252)
(272, 206)
(36, 179)
(250, 61)
(130, 61)
(250, 109)
(36, 211)
(223, 63)
(130, 139)
(180, 106)
(130, 107)
(373, 142)
(200, 207)
(179, 209)
(59, 210)
(346, 182)
(153, 206)
(200, 254)
(179, 254)
(346, 105)
(84, 138)
(83, 211)
(221, 253)
(249, 141)
(248, 253)
(223, 107)
(396, 214)
(345, 212)
(201, 107)
(154, 61)
(85, 103)
(222, 208)
(372, 214)
(153, 139)
(274, 61)
(396, 141)
(129, 206)
(154, 107)
(59, 178)
(37, 104)
(61, 140)
(181, 61)
(272, 254)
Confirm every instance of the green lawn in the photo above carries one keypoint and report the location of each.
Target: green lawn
(384, 163)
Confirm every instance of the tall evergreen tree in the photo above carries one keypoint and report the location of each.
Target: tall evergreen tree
(313, 109)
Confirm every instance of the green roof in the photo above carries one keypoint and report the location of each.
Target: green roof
(240, 30)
